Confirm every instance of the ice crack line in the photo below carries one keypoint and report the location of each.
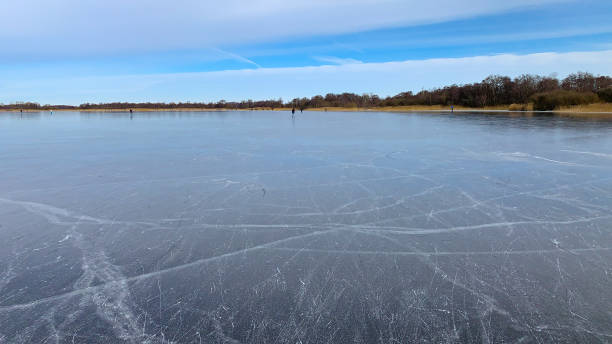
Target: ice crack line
(601, 155)
(439, 253)
(417, 231)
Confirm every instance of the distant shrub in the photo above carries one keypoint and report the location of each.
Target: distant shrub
(552, 100)
(517, 107)
(605, 94)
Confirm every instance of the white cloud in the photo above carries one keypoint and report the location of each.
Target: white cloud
(381, 78)
(115, 26)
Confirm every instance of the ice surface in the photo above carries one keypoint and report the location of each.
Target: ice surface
(251, 227)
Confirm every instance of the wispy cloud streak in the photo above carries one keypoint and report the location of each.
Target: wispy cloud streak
(236, 57)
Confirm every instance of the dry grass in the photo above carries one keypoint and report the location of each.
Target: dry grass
(436, 108)
(593, 108)
(521, 107)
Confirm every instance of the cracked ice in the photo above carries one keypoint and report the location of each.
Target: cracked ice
(334, 227)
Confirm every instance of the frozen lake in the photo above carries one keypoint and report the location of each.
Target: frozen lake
(251, 227)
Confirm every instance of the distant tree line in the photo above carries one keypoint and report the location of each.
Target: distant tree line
(495, 90)
(545, 93)
(222, 104)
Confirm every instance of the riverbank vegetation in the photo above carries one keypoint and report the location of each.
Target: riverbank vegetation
(523, 93)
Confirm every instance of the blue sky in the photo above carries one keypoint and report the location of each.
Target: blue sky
(75, 51)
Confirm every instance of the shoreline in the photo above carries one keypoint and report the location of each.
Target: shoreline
(591, 109)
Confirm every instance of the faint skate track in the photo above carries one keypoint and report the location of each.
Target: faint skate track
(7, 275)
(521, 155)
(55, 215)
